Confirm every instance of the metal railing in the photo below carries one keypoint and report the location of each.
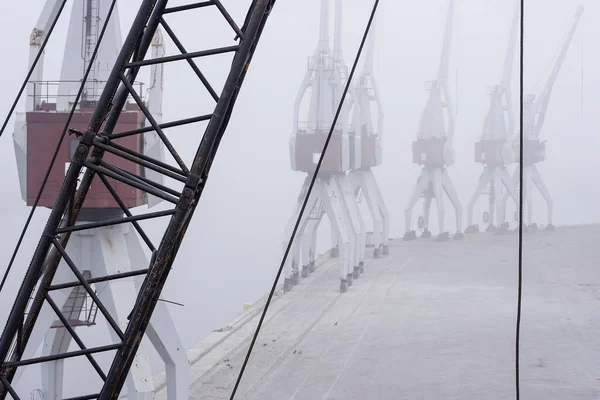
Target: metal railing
(47, 92)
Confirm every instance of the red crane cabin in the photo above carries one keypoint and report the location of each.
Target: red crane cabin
(44, 128)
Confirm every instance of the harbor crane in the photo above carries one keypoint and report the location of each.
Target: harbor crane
(107, 170)
(534, 150)
(332, 193)
(494, 149)
(104, 250)
(433, 150)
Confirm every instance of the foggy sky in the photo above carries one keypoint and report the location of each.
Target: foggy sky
(234, 245)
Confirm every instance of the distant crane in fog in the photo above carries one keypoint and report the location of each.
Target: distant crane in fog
(434, 150)
(332, 193)
(534, 150)
(494, 149)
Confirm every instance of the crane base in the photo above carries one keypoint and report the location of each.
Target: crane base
(343, 286)
(349, 279)
(412, 235)
(472, 229)
(443, 237)
(376, 253)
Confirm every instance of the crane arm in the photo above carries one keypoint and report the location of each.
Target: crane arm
(443, 73)
(543, 99)
(445, 62)
(507, 71)
(510, 51)
(324, 27)
(337, 39)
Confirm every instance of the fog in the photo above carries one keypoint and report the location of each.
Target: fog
(233, 246)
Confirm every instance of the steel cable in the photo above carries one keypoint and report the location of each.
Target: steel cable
(521, 198)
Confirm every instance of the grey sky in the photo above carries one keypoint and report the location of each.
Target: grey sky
(234, 245)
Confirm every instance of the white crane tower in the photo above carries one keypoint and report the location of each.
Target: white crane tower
(534, 150)
(368, 133)
(494, 149)
(113, 251)
(434, 149)
(333, 190)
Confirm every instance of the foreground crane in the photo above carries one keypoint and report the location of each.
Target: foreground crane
(39, 289)
(534, 150)
(48, 110)
(434, 150)
(494, 149)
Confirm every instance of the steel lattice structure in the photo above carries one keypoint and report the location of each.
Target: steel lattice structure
(37, 287)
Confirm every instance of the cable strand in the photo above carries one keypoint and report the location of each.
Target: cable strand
(307, 196)
(521, 198)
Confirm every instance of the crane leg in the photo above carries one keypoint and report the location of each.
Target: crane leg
(484, 179)
(332, 201)
(378, 211)
(57, 341)
(527, 194)
(496, 200)
(119, 297)
(353, 185)
(438, 192)
(293, 256)
(348, 202)
(162, 333)
(511, 191)
(385, 217)
(426, 215)
(335, 245)
(308, 245)
(541, 186)
(313, 245)
(453, 196)
(421, 186)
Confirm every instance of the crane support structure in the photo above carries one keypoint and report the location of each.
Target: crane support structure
(494, 149)
(534, 150)
(37, 287)
(434, 150)
(333, 193)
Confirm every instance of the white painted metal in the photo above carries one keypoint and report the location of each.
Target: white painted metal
(153, 145)
(534, 114)
(325, 193)
(434, 179)
(333, 193)
(38, 35)
(108, 250)
(497, 134)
